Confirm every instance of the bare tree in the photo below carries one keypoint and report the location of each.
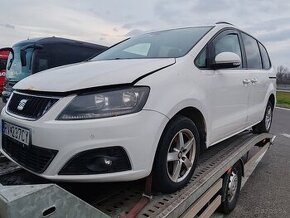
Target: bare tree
(283, 75)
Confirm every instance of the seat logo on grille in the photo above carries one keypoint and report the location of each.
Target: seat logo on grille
(21, 104)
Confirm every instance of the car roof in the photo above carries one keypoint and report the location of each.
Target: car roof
(221, 24)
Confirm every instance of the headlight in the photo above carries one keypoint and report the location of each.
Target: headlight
(106, 104)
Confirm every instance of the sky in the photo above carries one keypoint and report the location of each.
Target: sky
(108, 21)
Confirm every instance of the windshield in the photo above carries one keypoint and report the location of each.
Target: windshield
(15, 70)
(164, 44)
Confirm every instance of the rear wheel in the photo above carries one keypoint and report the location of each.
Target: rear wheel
(265, 124)
(176, 156)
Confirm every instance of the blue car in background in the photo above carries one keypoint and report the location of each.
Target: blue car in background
(35, 55)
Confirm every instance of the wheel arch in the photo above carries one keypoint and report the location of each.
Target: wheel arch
(198, 118)
(272, 99)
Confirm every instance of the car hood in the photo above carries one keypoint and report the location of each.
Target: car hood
(92, 74)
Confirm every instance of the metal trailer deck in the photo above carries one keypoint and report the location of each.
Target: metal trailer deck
(25, 195)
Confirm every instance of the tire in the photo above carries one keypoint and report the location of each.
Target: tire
(174, 165)
(230, 191)
(265, 125)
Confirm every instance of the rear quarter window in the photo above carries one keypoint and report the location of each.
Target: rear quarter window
(265, 57)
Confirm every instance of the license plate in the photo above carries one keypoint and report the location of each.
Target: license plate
(18, 133)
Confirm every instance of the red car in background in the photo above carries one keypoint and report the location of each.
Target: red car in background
(4, 53)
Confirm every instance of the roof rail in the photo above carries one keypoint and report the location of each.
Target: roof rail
(223, 22)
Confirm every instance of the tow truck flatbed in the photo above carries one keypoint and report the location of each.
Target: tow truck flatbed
(202, 196)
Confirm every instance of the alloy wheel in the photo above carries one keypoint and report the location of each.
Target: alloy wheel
(181, 155)
(268, 117)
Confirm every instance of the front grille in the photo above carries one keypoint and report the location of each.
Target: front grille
(32, 157)
(30, 106)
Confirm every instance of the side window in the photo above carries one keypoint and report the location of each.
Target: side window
(200, 61)
(254, 60)
(41, 60)
(265, 57)
(42, 64)
(227, 43)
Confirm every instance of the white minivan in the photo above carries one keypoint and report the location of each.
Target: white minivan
(149, 104)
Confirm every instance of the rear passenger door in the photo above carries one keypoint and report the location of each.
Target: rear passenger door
(257, 64)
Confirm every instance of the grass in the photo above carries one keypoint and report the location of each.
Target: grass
(283, 99)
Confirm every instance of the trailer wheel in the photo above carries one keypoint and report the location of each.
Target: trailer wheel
(231, 188)
(176, 156)
(265, 124)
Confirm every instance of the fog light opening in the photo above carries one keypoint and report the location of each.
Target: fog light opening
(97, 161)
(100, 164)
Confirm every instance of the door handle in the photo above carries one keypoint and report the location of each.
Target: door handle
(254, 80)
(246, 81)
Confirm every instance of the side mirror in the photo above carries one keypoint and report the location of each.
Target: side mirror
(23, 57)
(226, 60)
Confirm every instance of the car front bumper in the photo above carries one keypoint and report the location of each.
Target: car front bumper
(138, 134)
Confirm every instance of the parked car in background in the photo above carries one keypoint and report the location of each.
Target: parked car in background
(4, 53)
(35, 55)
(146, 105)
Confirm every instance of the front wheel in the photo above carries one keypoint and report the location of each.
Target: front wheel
(265, 124)
(176, 156)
